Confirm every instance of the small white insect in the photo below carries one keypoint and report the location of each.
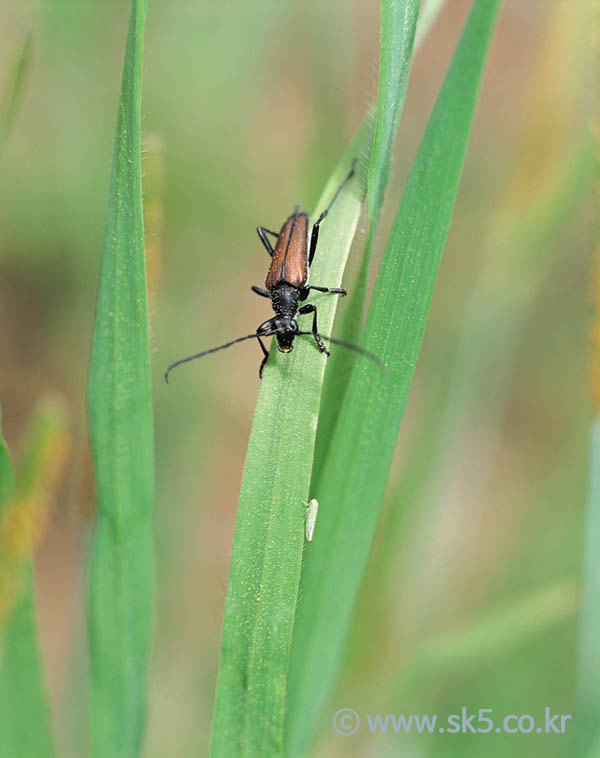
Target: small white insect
(312, 509)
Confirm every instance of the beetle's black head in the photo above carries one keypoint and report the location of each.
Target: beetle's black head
(285, 337)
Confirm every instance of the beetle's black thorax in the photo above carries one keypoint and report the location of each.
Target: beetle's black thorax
(284, 299)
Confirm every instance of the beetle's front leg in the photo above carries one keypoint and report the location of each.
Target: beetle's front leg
(265, 359)
(267, 327)
(313, 309)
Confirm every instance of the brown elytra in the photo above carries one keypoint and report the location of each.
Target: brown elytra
(290, 259)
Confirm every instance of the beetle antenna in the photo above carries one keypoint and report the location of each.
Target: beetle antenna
(214, 350)
(355, 348)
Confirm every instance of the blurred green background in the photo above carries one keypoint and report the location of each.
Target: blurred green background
(473, 590)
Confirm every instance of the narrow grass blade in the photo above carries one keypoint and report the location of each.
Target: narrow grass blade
(487, 639)
(521, 252)
(269, 535)
(588, 684)
(24, 720)
(6, 473)
(13, 92)
(398, 24)
(20, 685)
(542, 191)
(588, 679)
(351, 487)
(493, 316)
(429, 13)
(120, 413)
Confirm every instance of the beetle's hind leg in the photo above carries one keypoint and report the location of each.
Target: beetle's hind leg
(313, 309)
(262, 233)
(260, 291)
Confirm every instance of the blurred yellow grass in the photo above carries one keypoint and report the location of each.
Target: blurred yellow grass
(595, 329)
(551, 112)
(23, 521)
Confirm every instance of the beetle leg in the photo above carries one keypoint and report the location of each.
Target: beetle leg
(332, 290)
(313, 309)
(265, 359)
(314, 237)
(260, 291)
(262, 233)
(268, 328)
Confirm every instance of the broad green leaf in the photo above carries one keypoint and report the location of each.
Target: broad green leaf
(354, 476)
(269, 536)
(120, 413)
(398, 23)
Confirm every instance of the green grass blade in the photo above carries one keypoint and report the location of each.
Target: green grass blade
(24, 718)
(120, 412)
(521, 252)
(488, 638)
(429, 13)
(6, 474)
(13, 91)
(398, 24)
(21, 701)
(352, 484)
(24, 722)
(588, 685)
(269, 535)
(521, 249)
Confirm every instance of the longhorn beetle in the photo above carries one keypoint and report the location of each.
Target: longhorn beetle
(287, 285)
